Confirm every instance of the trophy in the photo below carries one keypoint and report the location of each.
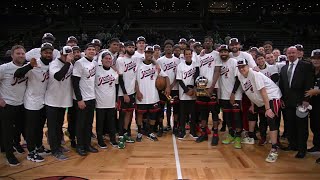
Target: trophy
(201, 83)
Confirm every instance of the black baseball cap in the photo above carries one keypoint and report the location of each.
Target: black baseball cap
(129, 43)
(223, 47)
(141, 38)
(234, 41)
(242, 62)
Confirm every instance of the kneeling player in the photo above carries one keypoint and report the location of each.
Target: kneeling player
(147, 93)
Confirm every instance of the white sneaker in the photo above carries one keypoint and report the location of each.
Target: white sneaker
(272, 157)
(247, 140)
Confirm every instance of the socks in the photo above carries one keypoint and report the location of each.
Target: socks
(139, 128)
(231, 132)
(215, 131)
(251, 134)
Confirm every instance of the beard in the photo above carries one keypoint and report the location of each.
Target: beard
(130, 53)
(224, 57)
(234, 50)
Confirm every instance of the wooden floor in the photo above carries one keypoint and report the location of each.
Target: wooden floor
(156, 160)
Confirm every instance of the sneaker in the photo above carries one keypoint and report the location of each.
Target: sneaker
(262, 141)
(152, 137)
(114, 144)
(102, 145)
(35, 157)
(313, 149)
(18, 149)
(237, 143)
(139, 137)
(187, 127)
(272, 156)
(24, 144)
(283, 137)
(60, 156)
(42, 151)
(64, 149)
(203, 137)
(215, 140)
(128, 138)
(121, 144)
(182, 136)
(166, 129)
(247, 140)
(12, 160)
(229, 139)
(194, 136)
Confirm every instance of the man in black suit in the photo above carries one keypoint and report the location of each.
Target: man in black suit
(296, 77)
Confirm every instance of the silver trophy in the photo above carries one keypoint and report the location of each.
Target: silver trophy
(201, 83)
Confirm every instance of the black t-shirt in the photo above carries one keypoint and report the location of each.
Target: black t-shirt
(315, 100)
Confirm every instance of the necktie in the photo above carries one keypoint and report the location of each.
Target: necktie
(289, 74)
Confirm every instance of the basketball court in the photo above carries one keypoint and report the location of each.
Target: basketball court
(169, 158)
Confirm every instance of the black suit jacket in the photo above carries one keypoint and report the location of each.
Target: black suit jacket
(302, 81)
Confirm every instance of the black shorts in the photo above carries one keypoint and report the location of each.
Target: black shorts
(151, 109)
(228, 107)
(275, 105)
(127, 107)
(206, 105)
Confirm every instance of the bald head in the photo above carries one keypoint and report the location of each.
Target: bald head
(292, 53)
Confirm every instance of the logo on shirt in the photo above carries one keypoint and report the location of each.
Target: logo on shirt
(189, 73)
(149, 72)
(208, 60)
(129, 66)
(268, 74)
(92, 72)
(171, 65)
(18, 80)
(109, 79)
(224, 71)
(45, 76)
(248, 86)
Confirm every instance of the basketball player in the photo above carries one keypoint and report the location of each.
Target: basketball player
(37, 72)
(105, 90)
(231, 110)
(83, 77)
(185, 77)
(35, 52)
(176, 51)
(72, 41)
(147, 99)
(235, 53)
(265, 95)
(157, 52)
(71, 110)
(58, 97)
(127, 76)
(139, 53)
(168, 64)
(209, 66)
(12, 91)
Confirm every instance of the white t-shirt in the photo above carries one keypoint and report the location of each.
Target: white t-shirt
(38, 79)
(227, 80)
(128, 68)
(245, 55)
(59, 93)
(36, 53)
(254, 83)
(146, 78)
(169, 66)
(11, 89)
(207, 64)
(138, 56)
(269, 70)
(105, 87)
(185, 73)
(86, 70)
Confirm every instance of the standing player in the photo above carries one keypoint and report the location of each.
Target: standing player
(231, 109)
(105, 90)
(12, 91)
(235, 53)
(83, 77)
(185, 77)
(168, 64)
(209, 67)
(147, 93)
(265, 94)
(37, 72)
(139, 53)
(127, 76)
(58, 97)
(157, 52)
